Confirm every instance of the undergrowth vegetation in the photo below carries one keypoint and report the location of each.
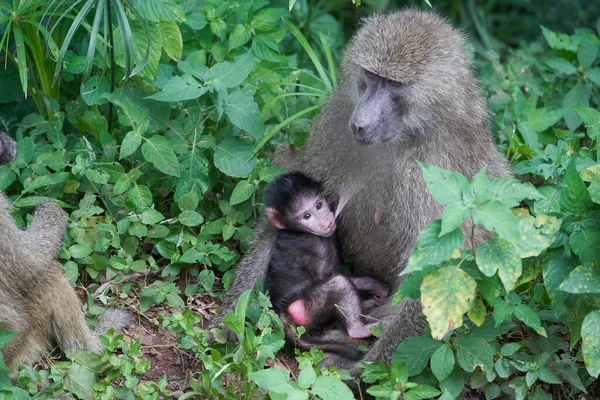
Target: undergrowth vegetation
(159, 150)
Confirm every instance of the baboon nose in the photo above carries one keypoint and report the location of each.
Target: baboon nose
(357, 131)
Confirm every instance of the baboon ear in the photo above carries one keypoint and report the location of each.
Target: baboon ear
(274, 218)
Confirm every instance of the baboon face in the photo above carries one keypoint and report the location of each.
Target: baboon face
(379, 114)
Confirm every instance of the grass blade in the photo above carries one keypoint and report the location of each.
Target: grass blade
(329, 56)
(126, 37)
(21, 57)
(89, 59)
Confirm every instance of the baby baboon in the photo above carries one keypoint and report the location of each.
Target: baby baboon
(36, 300)
(407, 94)
(304, 279)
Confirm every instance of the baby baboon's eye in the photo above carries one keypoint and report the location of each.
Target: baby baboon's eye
(319, 205)
(394, 83)
(306, 216)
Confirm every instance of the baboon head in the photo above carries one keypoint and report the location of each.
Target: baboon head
(405, 71)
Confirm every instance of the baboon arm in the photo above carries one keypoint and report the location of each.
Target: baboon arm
(47, 229)
(253, 266)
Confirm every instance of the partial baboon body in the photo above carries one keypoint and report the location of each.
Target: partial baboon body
(407, 94)
(36, 300)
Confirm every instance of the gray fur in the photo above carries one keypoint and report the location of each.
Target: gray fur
(446, 125)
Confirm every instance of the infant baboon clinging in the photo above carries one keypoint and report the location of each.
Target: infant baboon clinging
(304, 277)
(36, 300)
(407, 94)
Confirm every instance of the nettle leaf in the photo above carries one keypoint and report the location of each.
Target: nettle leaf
(244, 113)
(266, 48)
(574, 196)
(583, 279)
(591, 120)
(432, 249)
(266, 19)
(158, 151)
(180, 88)
(446, 295)
(160, 10)
(529, 317)
(231, 75)
(239, 36)
(475, 352)
(442, 362)
(537, 233)
(242, 192)
(590, 335)
(171, 39)
(415, 351)
(445, 186)
(495, 216)
(231, 157)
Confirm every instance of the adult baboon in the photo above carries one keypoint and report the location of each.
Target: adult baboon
(407, 94)
(36, 300)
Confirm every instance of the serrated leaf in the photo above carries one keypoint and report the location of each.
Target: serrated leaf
(195, 20)
(239, 36)
(266, 19)
(242, 192)
(529, 317)
(231, 157)
(495, 216)
(415, 351)
(158, 151)
(474, 352)
(446, 295)
(590, 335)
(244, 113)
(586, 54)
(266, 48)
(442, 362)
(445, 186)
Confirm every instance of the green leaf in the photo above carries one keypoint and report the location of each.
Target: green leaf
(92, 92)
(266, 48)
(231, 157)
(445, 186)
(593, 75)
(147, 48)
(537, 234)
(442, 362)
(477, 312)
(556, 266)
(586, 54)
(474, 352)
(591, 120)
(577, 96)
(510, 348)
(244, 113)
(272, 379)
(415, 351)
(131, 142)
(432, 249)
(233, 74)
(266, 19)
(586, 244)
(561, 65)
(495, 216)
(190, 218)
(583, 279)
(150, 216)
(590, 335)
(307, 377)
(158, 151)
(46, 180)
(80, 250)
(179, 89)
(141, 196)
(508, 191)
(453, 215)
(558, 41)
(171, 40)
(422, 392)
(239, 36)
(500, 255)
(329, 388)
(529, 317)
(446, 295)
(574, 196)
(160, 10)
(242, 192)
(195, 20)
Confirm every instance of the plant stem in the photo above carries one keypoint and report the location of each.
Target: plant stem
(111, 43)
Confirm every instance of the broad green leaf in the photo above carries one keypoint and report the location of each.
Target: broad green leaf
(239, 36)
(266, 48)
(421, 392)
(511, 192)
(558, 41)
(195, 20)
(94, 89)
(46, 180)
(218, 27)
(272, 379)
(190, 218)
(586, 244)
(474, 352)
(446, 295)
(266, 19)
(432, 249)
(591, 120)
(242, 192)
(307, 376)
(529, 317)
(530, 136)
(150, 216)
(233, 74)
(453, 215)
(583, 279)
(510, 349)
(590, 335)
(141, 196)
(158, 151)
(442, 362)
(415, 351)
(574, 196)
(500, 255)
(179, 89)
(147, 41)
(593, 75)
(80, 381)
(231, 157)
(330, 388)
(131, 142)
(586, 54)
(495, 216)
(445, 186)
(170, 36)
(160, 10)
(561, 65)
(244, 113)
(551, 201)
(556, 266)
(537, 234)
(80, 250)
(577, 96)
(477, 312)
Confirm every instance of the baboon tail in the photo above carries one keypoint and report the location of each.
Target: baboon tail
(307, 341)
(47, 228)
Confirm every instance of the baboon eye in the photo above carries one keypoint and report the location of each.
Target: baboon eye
(370, 74)
(319, 205)
(394, 83)
(306, 216)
